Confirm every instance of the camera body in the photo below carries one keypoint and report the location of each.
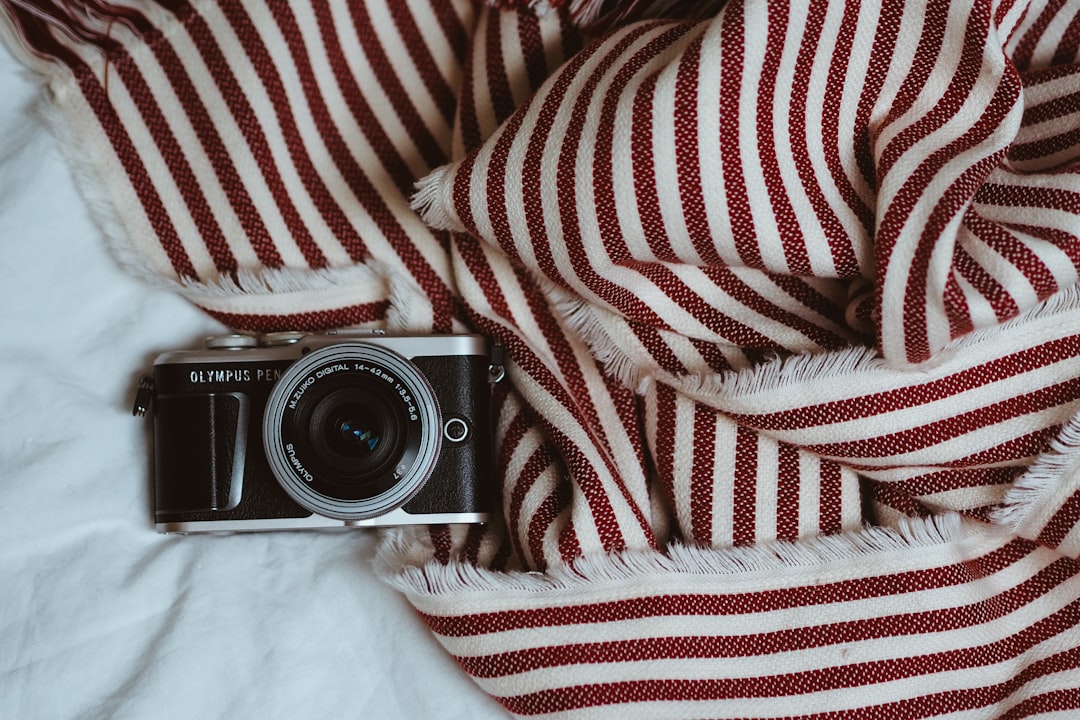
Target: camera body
(346, 429)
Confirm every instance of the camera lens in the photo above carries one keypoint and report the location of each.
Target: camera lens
(355, 432)
(352, 431)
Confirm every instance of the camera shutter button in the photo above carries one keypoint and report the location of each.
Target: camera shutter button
(231, 342)
(456, 430)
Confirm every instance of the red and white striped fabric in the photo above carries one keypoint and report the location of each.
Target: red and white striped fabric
(789, 295)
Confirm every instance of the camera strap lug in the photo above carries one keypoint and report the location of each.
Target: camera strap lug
(143, 396)
(497, 368)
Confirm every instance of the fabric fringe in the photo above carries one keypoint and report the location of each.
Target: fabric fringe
(587, 322)
(393, 560)
(431, 201)
(1047, 472)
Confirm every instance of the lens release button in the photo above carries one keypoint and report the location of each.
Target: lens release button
(456, 430)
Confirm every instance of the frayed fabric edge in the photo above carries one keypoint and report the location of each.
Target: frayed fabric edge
(288, 291)
(431, 200)
(1045, 475)
(395, 560)
(589, 322)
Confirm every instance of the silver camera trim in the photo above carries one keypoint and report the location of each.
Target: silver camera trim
(316, 522)
(414, 477)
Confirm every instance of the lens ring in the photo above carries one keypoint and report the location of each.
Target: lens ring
(321, 484)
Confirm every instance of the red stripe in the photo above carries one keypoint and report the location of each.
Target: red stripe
(545, 516)
(806, 292)
(533, 170)
(883, 495)
(731, 329)
(1068, 43)
(712, 354)
(830, 498)
(688, 164)
(340, 154)
(537, 464)
(1044, 704)
(531, 41)
(881, 403)
(940, 431)
(877, 69)
(658, 348)
(968, 698)
(312, 321)
(1065, 142)
(702, 481)
(441, 543)
(1047, 198)
(719, 603)
(733, 52)
(474, 538)
(501, 100)
(603, 178)
(664, 438)
(789, 231)
(842, 65)
(501, 227)
(585, 475)
(1021, 448)
(796, 683)
(472, 252)
(787, 640)
(955, 302)
(1053, 109)
(139, 178)
(574, 395)
(569, 545)
(388, 219)
(567, 170)
(744, 492)
(641, 151)
(467, 123)
(942, 481)
(788, 480)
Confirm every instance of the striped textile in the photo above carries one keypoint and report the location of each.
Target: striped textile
(789, 296)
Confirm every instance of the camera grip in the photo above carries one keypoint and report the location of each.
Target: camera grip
(199, 443)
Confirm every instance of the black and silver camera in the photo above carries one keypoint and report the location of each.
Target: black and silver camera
(296, 430)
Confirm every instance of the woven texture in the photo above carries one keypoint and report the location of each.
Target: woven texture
(789, 296)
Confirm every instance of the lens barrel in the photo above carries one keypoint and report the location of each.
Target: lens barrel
(352, 431)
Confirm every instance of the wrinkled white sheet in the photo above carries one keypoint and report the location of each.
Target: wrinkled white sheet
(101, 617)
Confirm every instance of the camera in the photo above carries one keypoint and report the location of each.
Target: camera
(344, 429)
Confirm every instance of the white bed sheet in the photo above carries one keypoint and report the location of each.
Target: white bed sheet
(101, 616)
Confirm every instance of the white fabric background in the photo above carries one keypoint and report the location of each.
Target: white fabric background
(101, 617)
